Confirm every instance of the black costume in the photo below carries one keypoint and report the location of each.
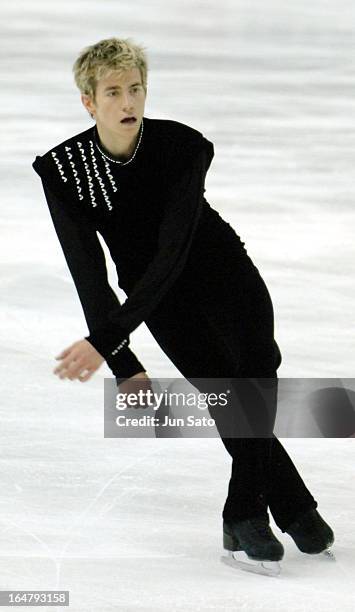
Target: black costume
(187, 275)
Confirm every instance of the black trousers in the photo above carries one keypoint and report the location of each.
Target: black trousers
(228, 332)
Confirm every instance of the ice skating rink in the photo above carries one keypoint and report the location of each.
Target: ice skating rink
(131, 525)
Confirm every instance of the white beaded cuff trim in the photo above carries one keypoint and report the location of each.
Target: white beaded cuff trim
(119, 346)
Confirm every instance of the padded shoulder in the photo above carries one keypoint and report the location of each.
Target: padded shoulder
(180, 143)
(40, 164)
(175, 137)
(67, 169)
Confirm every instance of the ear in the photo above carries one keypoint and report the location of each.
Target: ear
(87, 102)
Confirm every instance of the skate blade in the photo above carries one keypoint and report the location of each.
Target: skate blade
(240, 560)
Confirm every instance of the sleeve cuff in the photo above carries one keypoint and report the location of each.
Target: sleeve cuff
(108, 341)
(120, 359)
(125, 365)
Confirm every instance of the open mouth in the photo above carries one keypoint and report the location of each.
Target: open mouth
(129, 120)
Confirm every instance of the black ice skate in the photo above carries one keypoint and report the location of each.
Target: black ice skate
(312, 534)
(252, 546)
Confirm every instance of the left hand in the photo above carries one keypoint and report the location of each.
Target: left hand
(136, 383)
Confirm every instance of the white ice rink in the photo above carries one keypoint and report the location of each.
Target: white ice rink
(133, 525)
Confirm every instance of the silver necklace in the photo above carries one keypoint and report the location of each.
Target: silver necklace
(117, 161)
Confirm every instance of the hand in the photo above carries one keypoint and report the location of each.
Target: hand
(79, 360)
(134, 384)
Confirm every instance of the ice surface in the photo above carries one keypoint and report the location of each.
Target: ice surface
(136, 525)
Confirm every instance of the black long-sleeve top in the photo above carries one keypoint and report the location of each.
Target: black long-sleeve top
(152, 214)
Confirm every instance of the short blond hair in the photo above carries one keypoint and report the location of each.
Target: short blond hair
(104, 57)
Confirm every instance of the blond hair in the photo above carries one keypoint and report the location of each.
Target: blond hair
(104, 57)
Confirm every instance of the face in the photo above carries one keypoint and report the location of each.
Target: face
(117, 96)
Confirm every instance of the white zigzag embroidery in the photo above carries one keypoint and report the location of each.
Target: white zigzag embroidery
(99, 178)
(59, 166)
(87, 169)
(75, 172)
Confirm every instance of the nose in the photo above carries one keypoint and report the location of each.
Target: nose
(127, 101)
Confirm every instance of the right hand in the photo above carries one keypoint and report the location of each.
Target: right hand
(78, 361)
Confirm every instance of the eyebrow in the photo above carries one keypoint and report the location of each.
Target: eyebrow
(119, 87)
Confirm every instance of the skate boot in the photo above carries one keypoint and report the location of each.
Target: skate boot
(252, 546)
(311, 533)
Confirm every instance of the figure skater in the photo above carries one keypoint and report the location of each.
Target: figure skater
(139, 182)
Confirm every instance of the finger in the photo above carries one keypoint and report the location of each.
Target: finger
(62, 373)
(85, 375)
(64, 353)
(74, 369)
(66, 373)
(67, 363)
(60, 369)
(65, 369)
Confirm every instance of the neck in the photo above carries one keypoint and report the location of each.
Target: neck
(121, 146)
